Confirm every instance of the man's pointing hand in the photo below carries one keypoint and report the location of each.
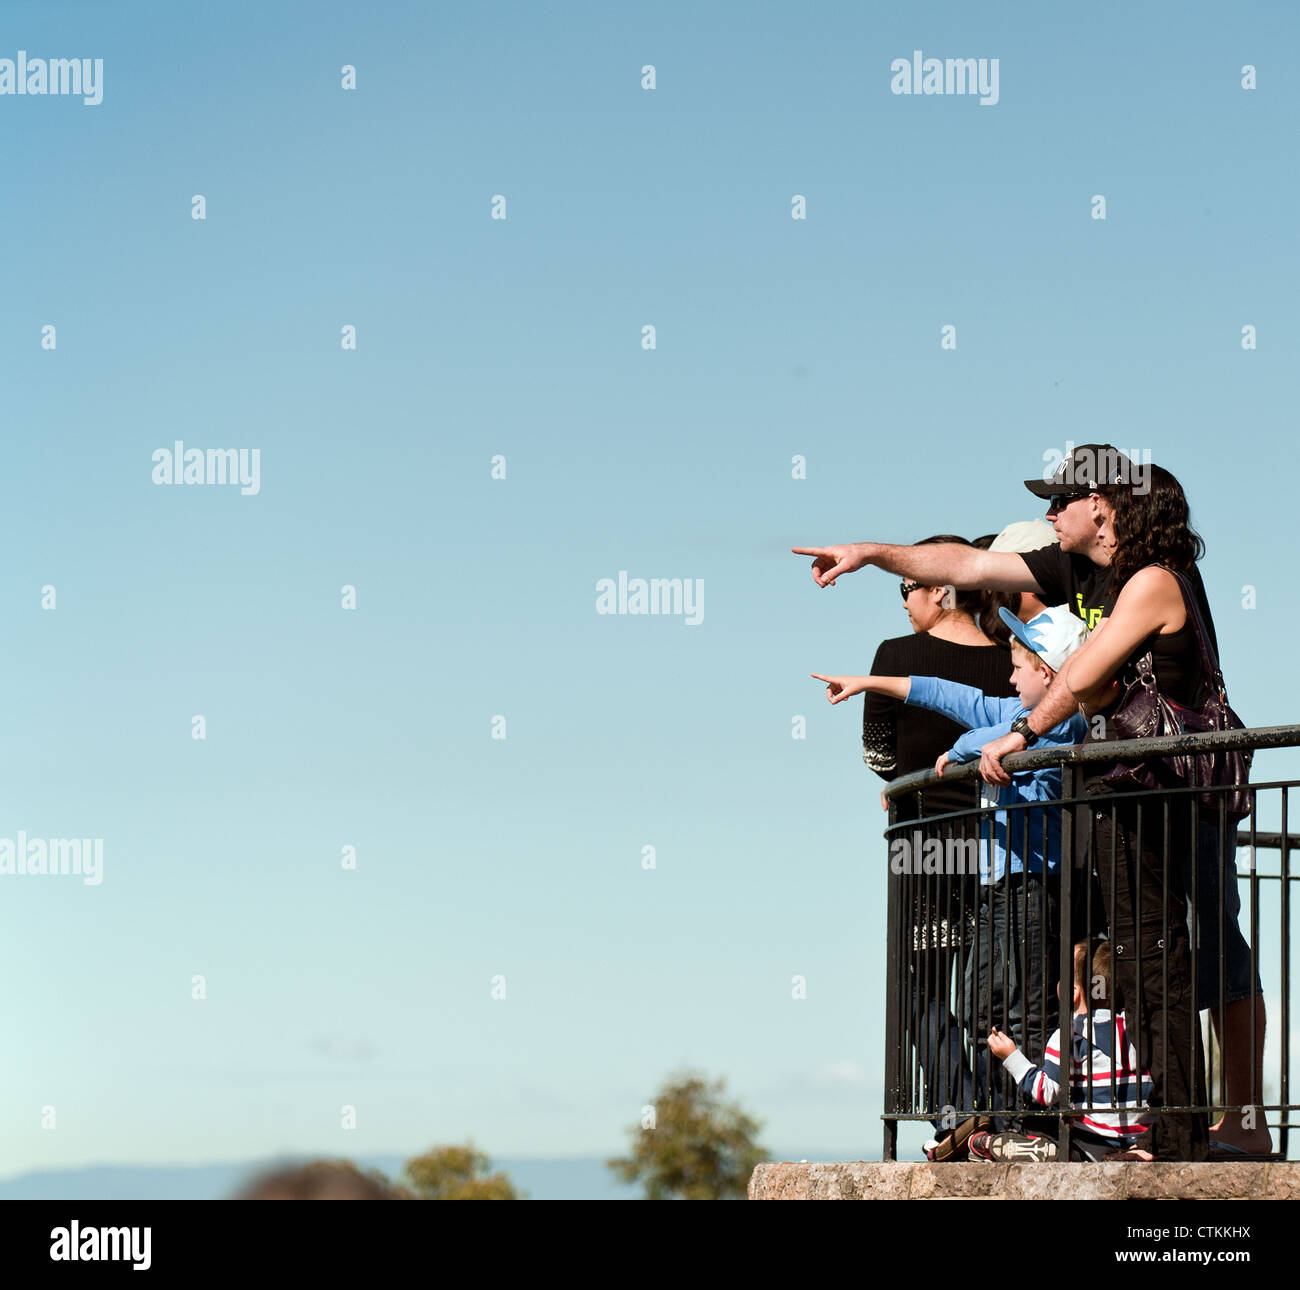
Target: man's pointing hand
(831, 561)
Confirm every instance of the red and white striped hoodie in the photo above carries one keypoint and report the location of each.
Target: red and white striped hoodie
(1112, 1096)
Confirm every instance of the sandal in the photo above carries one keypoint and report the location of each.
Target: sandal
(955, 1145)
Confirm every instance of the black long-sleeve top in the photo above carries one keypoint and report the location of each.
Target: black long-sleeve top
(898, 739)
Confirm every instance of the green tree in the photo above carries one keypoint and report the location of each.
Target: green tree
(694, 1147)
(456, 1173)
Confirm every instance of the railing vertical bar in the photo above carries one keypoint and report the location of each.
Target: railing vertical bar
(970, 925)
(1284, 1094)
(1110, 916)
(1040, 1040)
(894, 1000)
(921, 944)
(976, 985)
(1070, 777)
(1086, 878)
(1133, 876)
(1221, 914)
(998, 1017)
(1194, 922)
(1256, 1092)
(960, 983)
(1165, 861)
(944, 881)
(1022, 820)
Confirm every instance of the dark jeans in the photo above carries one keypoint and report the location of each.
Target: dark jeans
(1010, 982)
(1011, 971)
(1146, 906)
(1235, 949)
(949, 1091)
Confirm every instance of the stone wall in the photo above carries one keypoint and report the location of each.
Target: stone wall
(980, 1180)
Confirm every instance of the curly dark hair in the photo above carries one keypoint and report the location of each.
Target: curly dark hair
(1153, 527)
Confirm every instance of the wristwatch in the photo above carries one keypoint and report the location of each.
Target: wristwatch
(1020, 726)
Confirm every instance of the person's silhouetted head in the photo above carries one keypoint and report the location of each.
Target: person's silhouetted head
(316, 1180)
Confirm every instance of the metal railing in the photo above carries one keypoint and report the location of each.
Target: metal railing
(972, 944)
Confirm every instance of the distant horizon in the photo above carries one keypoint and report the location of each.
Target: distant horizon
(542, 1178)
(495, 1161)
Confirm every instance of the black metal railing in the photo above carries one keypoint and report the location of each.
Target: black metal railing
(973, 944)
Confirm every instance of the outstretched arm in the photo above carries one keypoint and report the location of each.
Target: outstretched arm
(936, 564)
(839, 688)
(965, 704)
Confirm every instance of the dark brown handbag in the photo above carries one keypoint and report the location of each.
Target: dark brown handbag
(1144, 713)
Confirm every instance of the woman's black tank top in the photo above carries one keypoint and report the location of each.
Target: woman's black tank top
(1176, 661)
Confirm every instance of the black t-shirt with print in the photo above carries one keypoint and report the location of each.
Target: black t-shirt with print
(1070, 579)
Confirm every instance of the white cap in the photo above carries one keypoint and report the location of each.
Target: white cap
(1025, 535)
(1053, 635)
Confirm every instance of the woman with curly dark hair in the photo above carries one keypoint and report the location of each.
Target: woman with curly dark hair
(1143, 880)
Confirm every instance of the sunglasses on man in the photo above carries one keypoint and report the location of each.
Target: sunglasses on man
(908, 587)
(1059, 501)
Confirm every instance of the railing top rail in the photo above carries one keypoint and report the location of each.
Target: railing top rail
(1106, 751)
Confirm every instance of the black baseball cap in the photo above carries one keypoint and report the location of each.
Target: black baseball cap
(1085, 469)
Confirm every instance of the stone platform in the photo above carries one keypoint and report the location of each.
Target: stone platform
(980, 1180)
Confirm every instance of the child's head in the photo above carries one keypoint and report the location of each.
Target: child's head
(1100, 993)
(1029, 674)
(1039, 648)
(1092, 980)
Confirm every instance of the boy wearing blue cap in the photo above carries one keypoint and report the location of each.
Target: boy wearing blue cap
(1019, 856)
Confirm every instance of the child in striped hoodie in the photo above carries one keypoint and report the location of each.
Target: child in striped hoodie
(1115, 1118)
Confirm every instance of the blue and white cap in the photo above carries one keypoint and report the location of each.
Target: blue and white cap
(1053, 635)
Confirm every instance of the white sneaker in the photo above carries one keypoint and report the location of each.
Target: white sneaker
(1027, 1147)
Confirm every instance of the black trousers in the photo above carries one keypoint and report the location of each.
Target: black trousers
(1009, 981)
(1142, 872)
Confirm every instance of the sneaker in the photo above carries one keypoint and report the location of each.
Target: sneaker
(978, 1146)
(1023, 1147)
(930, 1148)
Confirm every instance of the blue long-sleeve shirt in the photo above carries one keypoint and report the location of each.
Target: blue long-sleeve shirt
(987, 718)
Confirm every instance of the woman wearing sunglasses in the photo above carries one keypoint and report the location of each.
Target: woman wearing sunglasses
(946, 640)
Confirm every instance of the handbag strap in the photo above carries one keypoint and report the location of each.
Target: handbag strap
(1209, 659)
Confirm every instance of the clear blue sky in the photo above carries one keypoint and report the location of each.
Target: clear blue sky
(476, 597)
